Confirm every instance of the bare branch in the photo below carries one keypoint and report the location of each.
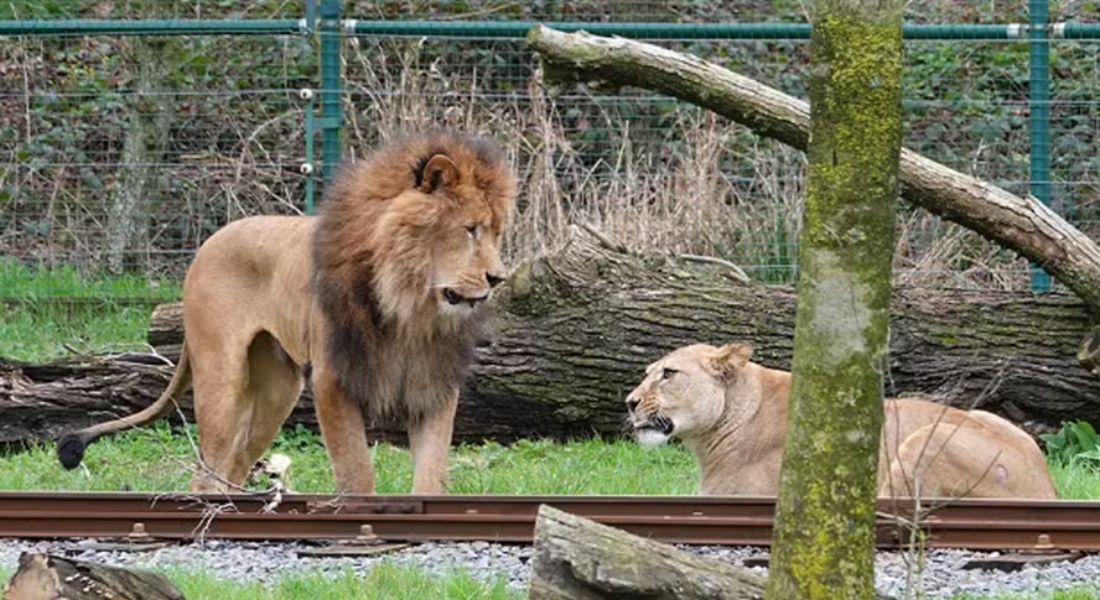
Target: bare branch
(1021, 224)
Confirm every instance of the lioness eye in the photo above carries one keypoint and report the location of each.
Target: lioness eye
(472, 230)
(668, 373)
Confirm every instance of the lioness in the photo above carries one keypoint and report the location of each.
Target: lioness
(732, 414)
(378, 300)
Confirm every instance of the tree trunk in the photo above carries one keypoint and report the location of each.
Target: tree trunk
(150, 117)
(828, 480)
(1020, 224)
(576, 329)
(46, 577)
(579, 559)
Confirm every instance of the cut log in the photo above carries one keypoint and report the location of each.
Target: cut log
(46, 577)
(576, 329)
(166, 324)
(1024, 225)
(579, 559)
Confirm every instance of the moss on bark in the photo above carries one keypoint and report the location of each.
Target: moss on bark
(825, 517)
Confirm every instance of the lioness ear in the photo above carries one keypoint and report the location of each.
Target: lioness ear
(730, 359)
(440, 170)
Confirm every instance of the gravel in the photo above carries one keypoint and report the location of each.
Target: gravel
(245, 561)
(942, 574)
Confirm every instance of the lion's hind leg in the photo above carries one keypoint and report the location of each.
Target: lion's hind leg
(951, 460)
(241, 409)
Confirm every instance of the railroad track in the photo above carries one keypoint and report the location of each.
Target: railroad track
(976, 524)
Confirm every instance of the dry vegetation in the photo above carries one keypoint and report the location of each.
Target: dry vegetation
(686, 202)
(648, 172)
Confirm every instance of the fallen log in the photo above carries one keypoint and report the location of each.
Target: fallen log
(576, 329)
(1024, 225)
(46, 577)
(579, 559)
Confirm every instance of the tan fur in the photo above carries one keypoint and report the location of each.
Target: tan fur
(732, 414)
(382, 296)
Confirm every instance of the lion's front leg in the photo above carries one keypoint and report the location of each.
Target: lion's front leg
(430, 442)
(345, 435)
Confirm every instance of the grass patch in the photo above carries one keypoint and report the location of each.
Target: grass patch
(43, 309)
(38, 332)
(384, 581)
(1074, 480)
(156, 458)
(66, 282)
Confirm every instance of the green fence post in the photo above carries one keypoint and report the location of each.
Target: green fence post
(330, 88)
(307, 166)
(1039, 121)
(306, 94)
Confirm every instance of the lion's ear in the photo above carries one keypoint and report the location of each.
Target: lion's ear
(730, 359)
(439, 171)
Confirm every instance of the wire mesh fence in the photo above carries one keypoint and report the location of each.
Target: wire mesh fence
(120, 154)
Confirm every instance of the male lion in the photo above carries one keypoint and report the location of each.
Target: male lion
(732, 414)
(379, 300)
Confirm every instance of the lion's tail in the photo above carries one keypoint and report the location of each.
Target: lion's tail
(70, 448)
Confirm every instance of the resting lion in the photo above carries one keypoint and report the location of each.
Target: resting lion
(732, 414)
(379, 300)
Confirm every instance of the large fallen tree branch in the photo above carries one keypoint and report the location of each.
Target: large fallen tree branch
(579, 559)
(576, 329)
(1024, 225)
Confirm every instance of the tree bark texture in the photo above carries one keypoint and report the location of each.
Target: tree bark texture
(576, 329)
(579, 559)
(147, 132)
(1023, 225)
(825, 513)
(46, 577)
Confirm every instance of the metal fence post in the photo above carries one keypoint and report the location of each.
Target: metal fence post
(1039, 121)
(331, 119)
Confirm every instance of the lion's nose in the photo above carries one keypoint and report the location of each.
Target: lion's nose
(493, 280)
(631, 404)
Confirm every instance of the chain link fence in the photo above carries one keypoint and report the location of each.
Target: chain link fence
(121, 153)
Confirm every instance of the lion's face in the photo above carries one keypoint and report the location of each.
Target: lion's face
(439, 241)
(466, 263)
(684, 393)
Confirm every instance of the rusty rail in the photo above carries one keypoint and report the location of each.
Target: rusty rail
(977, 524)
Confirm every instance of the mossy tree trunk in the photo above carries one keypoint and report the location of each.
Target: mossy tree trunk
(824, 536)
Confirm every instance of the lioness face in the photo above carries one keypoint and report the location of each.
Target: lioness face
(682, 394)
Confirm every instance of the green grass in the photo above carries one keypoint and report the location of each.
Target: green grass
(65, 282)
(384, 581)
(156, 459)
(44, 309)
(1075, 480)
(40, 332)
